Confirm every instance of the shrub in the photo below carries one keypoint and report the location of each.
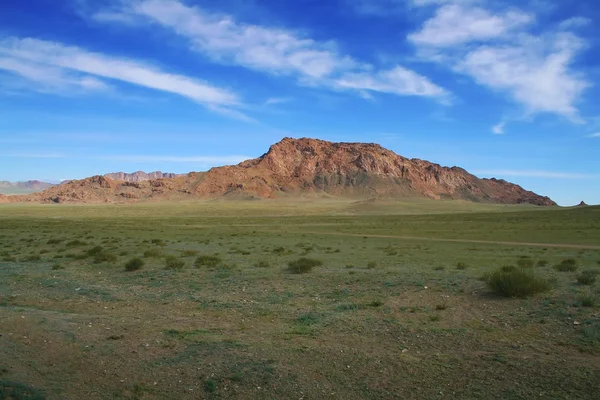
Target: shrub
(438, 268)
(508, 268)
(567, 265)
(55, 241)
(172, 262)
(95, 250)
(587, 277)
(157, 242)
(207, 260)
(9, 259)
(525, 262)
(588, 300)
(371, 264)
(56, 267)
(262, 264)
(542, 263)
(516, 283)
(104, 257)
(153, 253)
(441, 307)
(303, 265)
(134, 264)
(189, 253)
(461, 265)
(210, 385)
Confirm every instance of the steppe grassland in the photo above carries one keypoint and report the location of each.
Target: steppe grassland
(398, 308)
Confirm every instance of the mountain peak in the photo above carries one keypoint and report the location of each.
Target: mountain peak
(297, 167)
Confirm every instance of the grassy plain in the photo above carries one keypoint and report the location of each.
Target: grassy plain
(398, 309)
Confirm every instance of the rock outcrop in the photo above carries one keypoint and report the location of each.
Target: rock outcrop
(138, 176)
(298, 167)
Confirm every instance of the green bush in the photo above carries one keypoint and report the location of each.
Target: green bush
(172, 262)
(207, 260)
(134, 264)
(461, 265)
(587, 277)
(542, 263)
(303, 265)
(371, 264)
(567, 265)
(189, 253)
(95, 250)
(516, 283)
(56, 267)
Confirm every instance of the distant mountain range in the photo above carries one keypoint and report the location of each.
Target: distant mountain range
(23, 187)
(298, 167)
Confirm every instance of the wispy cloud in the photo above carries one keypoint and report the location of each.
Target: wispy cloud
(399, 80)
(498, 129)
(49, 64)
(574, 23)
(534, 174)
(499, 51)
(594, 135)
(455, 24)
(277, 100)
(270, 50)
(34, 155)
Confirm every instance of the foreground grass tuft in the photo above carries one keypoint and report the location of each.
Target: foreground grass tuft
(134, 264)
(207, 261)
(174, 263)
(587, 277)
(567, 265)
(303, 265)
(509, 282)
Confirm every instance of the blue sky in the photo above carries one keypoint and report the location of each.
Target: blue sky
(500, 88)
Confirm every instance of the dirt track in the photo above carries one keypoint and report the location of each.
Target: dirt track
(528, 244)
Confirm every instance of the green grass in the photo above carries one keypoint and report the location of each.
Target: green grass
(243, 322)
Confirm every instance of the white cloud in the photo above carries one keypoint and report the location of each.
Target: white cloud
(534, 72)
(575, 22)
(271, 50)
(454, 24)
(594, 135)
(497, 50)
(225, 40)
(50, 79)
(398, 80)
(498, 129)
(535, 174)
(55, 64)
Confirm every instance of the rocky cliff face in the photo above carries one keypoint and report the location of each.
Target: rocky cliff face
(296, 167)
(138, 176)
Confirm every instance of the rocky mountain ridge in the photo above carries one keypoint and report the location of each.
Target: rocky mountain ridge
(303, 167)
